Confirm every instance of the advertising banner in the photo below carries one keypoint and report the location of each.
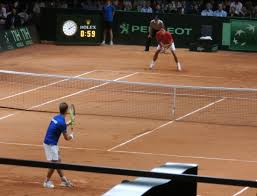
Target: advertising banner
(243, 35)
(15, 38)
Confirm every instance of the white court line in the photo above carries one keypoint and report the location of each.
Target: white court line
(70, 95)
(165, 124)
(131, 152)
(184, 156)
(44, 86)
(190, 76)
(241, 191)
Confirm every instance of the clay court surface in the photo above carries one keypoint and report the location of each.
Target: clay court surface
(219, 150)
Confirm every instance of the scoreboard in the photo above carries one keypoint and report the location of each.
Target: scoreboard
(83, 29)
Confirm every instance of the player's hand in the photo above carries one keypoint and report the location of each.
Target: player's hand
(167, 45)
(70, 122)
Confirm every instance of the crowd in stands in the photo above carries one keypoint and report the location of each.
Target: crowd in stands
(19, 12)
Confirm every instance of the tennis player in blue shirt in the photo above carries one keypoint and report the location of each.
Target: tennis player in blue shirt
(108, 11)
(57, 127)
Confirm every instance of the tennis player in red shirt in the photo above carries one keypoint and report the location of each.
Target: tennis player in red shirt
(165, 41)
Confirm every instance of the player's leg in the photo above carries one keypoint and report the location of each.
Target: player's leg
(148, 42)
(173, 49)
(104, 36)
(111, 36)
(155, 57)
(105, 32)
(49, 174)
(64, 181)
(49, 156)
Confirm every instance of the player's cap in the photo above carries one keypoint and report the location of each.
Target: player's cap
(156, 17)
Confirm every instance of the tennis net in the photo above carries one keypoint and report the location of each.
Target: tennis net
(43, 93)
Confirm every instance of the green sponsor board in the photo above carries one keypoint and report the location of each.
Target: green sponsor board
(15, 38)
(243, 35)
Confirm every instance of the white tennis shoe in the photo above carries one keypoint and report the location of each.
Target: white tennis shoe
(48, 184)
(66, 183)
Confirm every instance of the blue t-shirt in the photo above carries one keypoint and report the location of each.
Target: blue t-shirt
(56, 128)
(108, 13)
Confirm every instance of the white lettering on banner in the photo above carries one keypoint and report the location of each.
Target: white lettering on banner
(88, 27)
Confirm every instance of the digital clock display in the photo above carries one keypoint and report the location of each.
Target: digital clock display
(79, 29)
(87, 33)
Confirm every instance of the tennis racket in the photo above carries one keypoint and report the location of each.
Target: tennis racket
(72, 112)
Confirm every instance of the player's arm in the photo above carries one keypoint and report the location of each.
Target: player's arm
(113, 11)
(162, 25)
(159, 41)
(68, 136)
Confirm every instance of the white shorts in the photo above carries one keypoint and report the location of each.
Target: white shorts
(172, 47)
(52, 152)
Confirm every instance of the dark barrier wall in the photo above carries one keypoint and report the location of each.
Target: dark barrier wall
(48, 21)
(132, 28)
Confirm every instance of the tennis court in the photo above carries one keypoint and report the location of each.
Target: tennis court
(114, 133)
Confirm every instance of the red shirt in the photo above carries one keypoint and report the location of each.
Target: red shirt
(165, 39)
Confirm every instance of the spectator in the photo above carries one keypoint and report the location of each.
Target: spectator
(237, 5)
(146, 7)
(220, 12)
(226, 4)
(181, 7)
(127, 6)
(117, 5)
(13, 20)
(171, 7)
(193, 8)
(244, 12)
(158, 9)
(135, 7)
(254, 12)
(63, 4)
(24, 16)
(3, 16)
(108, 11)
(208, 11)
(16, 5)
(232, 12)
(37, 6)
